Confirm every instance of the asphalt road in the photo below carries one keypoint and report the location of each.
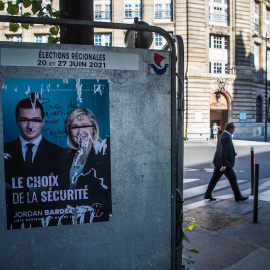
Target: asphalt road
(198, 158)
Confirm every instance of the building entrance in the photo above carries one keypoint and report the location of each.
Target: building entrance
(218, 111)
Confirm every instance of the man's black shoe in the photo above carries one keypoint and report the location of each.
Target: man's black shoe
(242, 198)
(209, 197)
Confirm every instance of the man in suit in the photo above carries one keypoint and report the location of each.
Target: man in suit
(31, 153)
(27, 159)
(224, 160)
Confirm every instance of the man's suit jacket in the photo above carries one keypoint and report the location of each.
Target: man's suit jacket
(46, 160)
(45, 163)
(225, 153)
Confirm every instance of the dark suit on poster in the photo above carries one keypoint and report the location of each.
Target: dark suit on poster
(45, 163)
(96, 177)
(46, 160)
(224, 156)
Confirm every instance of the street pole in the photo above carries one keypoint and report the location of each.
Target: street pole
(77, 10)
(266, 101)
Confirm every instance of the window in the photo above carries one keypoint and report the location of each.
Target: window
(107, 40)
(217, 67)
(218, 11)
(226, 43)
(218, 54)
(158, 40)
(98, 12)
(138, 11)
(217, 42)
(14, 38)
(158, 10)
(163, 9)
(226, 68)
(41, 38)
(259, 109)
(256, 60)
(102, 10)
(107, 11)
(133, 10)
(103, 39)
(98, 40)
(256, 17)
(128, 11)
(168, 11)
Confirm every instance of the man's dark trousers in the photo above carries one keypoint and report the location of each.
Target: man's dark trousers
(230, 174)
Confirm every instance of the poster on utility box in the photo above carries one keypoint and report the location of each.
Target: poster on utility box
(56, 151)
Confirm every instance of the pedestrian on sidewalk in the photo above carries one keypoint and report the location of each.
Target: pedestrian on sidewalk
(215, 129)
(224, 160)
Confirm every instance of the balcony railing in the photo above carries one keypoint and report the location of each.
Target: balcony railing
(163, 14)
(218, 17)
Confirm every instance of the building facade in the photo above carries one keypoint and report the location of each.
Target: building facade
(226, 55)
(225, 65)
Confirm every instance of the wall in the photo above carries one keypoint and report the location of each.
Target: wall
(138, 233)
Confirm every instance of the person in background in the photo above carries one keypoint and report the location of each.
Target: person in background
(215, 129)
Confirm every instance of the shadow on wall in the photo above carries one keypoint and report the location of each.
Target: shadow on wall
(249, 89)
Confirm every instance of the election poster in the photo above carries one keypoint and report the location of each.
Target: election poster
(56, 152)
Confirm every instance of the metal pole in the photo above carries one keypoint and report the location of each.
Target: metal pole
(252, 161)
(81, 10)
(266, 107)
(255, 199)
(180, 133)
(174, 158)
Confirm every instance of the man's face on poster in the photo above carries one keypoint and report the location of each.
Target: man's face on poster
(81, 130)
(30, 123)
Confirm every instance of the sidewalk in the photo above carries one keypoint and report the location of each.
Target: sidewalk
(227, 238)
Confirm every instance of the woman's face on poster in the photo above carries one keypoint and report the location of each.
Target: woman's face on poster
(81, 131)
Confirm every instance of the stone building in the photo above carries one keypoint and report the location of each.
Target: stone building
(225, 54)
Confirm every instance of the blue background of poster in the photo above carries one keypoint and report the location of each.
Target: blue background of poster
(59, 97)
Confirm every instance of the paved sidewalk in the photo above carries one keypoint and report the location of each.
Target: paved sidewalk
(258, 259)
(228, 239)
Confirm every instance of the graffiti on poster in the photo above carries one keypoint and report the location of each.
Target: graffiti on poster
(56, 152)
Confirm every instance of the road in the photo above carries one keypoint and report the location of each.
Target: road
(198, 169)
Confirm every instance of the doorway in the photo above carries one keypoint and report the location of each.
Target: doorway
(218, 111)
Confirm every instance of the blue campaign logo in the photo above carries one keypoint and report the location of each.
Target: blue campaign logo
(157, 67)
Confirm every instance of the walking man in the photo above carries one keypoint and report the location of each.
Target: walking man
(224, 160)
